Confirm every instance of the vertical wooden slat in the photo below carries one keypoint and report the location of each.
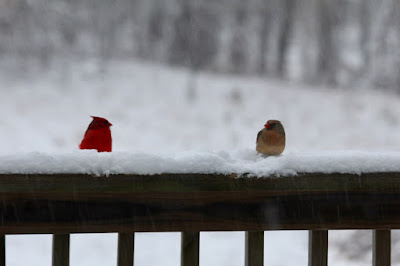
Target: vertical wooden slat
(381, 248)
(2, 250)
(190, 248)
(126, 245)
(61, 250)
(254, 250)
(318, 248)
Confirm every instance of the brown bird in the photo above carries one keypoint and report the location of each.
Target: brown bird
(271, 139)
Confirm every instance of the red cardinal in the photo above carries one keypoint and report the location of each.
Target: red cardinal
(97, 136)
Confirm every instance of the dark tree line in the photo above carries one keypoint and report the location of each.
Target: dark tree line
(343, 42)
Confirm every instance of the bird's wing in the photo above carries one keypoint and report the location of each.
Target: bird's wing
(258, 136)
(90, 136)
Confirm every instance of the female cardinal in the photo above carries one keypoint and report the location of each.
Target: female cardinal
(97, 136)
(271, 139)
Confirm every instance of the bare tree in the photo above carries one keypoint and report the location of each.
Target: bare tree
(285, 33)
(265, 14)
(328, 54)
(238, 44)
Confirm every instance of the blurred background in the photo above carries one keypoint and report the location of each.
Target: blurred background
(178, 75)
(340, 43)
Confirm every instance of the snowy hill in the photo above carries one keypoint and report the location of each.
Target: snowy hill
(151, 111)
(157, 110)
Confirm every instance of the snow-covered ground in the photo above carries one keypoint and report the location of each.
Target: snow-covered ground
(152, 112)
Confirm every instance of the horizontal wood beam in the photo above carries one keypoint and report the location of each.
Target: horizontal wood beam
(71, 203)
(80, 185)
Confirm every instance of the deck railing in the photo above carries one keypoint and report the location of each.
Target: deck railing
(62, 204)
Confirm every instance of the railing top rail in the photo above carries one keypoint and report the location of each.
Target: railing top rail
(130, 183)
(64, 203)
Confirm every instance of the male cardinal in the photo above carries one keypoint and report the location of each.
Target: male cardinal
(271, 139)
(97, 136)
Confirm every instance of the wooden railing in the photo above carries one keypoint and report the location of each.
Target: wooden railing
(189, 203)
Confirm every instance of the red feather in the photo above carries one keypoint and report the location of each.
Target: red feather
(97, 136)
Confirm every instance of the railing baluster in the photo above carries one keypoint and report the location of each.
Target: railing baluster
(2, 250)
(61, 250)
(254, 250)
(126, 245)
(381, 248)
(318, 248)
(190, 248)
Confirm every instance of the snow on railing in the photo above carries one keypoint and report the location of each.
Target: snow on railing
(219, 162)
(88, 192)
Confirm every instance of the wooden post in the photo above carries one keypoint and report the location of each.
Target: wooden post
(2, 250)
(318, 248)
(254, 250)
(381, 248)
(126, 245)
(60, 250)
(190, 248)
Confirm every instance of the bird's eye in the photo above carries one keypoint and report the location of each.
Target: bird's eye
(106, 123)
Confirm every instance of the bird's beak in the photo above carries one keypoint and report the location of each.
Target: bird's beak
(109, 124)
(267, 126)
